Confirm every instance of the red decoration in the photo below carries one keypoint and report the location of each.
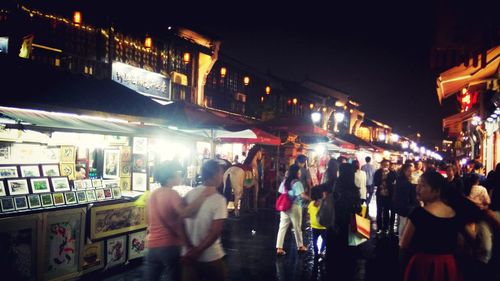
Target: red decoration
(467, 100)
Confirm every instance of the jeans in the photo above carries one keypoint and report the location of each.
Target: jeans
(162, 261)
(384, 206)
(294, 215)
(316, 234)
(206, 271)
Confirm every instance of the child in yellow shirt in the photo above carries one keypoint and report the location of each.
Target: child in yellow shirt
(317, 229)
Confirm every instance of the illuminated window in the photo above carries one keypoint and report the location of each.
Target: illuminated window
(363, 133)
(57, 62)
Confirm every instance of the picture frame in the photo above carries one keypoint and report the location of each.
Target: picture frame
(7, 204)
(58, 198)
(39, 185)
(125, 184)
(63, 239)
(99, 193)
(87, 183)
(30, 171)
(116, 251)
(125, 154)
(111, 165)
(21, 202)
(81, 196)
(21, 238)
(78, 185)
(50, 170)
(60, 184)
(68, 153)
(96, 183)
(34, 201)
(91, 197)
(125, 169)
(18, 186)
(110, 183)
(140, 145)
(139, 181)
(67, 170)
(108, 193)
(139, 164)
(8, 172)
(116, 219)
(136, 245)
(117, 192)
(92, 257)
(70, 197)
(47, 200)
(3, 190)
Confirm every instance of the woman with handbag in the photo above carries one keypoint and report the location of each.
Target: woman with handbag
(295, 192)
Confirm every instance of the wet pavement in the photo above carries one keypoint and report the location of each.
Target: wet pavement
(250, 240)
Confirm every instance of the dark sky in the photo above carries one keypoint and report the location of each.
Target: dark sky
(377, 53)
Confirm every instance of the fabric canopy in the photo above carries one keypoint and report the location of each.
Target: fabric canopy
(261, 137)
(300, 125)
(248, 136)
(456, 78)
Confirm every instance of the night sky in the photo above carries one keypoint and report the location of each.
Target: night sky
(377, 53)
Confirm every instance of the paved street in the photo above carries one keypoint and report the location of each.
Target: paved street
(250, 246)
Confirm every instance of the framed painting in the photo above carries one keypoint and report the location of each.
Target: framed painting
(52, 154)
(34, 201)
(111, 166)
(117, 192)
(97, 183)
(91, 197)
(125, 169)
(20, 241)
(7, 172)
(126, 154)
(21, 203)
(50, 170)
(30, 171)
(125, 183)
(39, 185)
(116, 219)
(60, 184)
(68, 154)
(7, 204)
(87, 183)
(58, 198)
(136, 245)
(3, 191)
(139, 181)
(5, 151)
(68, 170)
(78, 185)
(139, 164)
(116, 251)
(47, 200)
(70, 197)
(110, 183)
(140, 146)
(18, 187)
(81, 196)
(92, 258)
(63, 241)
(99, 193)
(108, 194)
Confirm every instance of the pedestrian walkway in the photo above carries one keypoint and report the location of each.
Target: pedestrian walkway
(250, 240)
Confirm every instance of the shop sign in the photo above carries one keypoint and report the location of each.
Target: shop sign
(142, 81)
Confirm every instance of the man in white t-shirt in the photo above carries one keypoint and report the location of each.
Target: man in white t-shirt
(204, 260)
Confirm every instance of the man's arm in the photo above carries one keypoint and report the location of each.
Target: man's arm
(214, 233)
(189, 210)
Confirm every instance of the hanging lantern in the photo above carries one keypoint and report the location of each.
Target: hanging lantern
(311, 106)
(268, 90)
(186, 58)
(324, 109)
(246, 80)
(77, 17)
(295, 100)
(223, 72)
(148, 42)
(261, 99)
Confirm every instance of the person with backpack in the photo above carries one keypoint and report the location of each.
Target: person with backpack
(292, 186)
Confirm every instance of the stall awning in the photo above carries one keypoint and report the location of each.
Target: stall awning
(343, 144)
(360, 143)
(38, 120)
(301, 126)
(248, 136)
(261, 137)
(456, 78)
(454, 122)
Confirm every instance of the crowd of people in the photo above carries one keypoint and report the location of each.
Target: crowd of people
(447, 219)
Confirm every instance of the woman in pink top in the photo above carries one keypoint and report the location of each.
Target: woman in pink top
(166, 211)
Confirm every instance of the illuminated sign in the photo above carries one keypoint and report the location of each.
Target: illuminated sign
(142, 81)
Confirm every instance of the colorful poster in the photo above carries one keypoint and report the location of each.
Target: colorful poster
(136, 245)
(115, 251)
(62, 246)
(116, 219)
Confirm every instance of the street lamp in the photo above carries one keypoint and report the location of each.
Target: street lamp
(186, 58)
(246, 80)
(316, 117)
(339, 117)
(394, 138)
(268, 90)
(223, 72)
